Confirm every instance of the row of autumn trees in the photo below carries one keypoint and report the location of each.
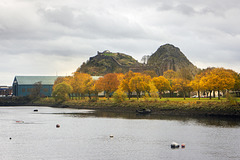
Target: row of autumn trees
(207, 81)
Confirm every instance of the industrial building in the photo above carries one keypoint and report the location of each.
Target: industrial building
(24, 85)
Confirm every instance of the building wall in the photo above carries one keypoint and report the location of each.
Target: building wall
(5, 90)
(25, 90)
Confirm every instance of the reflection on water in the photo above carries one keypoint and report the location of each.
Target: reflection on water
(201, 120)
(84, 134)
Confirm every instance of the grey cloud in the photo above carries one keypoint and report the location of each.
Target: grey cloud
(63, 15)
(206, 31)
(185, 9)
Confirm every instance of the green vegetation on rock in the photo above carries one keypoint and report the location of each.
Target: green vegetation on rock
(167, 57)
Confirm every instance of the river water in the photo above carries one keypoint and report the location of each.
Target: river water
(85, 135)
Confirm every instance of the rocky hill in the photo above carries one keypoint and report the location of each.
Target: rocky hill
(109, 62)
(165, 58)
(170, 57)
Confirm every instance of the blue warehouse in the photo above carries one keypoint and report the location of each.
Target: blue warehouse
(23, 85)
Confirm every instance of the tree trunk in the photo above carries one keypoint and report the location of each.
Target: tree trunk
(210, 92)
(89, 95)
(198, 94)
(138, 95)
(96, 95)
(184, 95)
(149, 94)
(218, 94)
(160, 95)
(107, 94)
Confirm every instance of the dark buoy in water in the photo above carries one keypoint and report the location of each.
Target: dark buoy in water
(111, 136)
(174, 145)
(183, 145)
(58, 126)
(35, 110)
(10, 138)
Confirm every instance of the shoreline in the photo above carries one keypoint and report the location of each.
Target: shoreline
(163, 108)
(167, 108)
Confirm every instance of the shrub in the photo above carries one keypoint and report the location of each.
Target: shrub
(232, 100)
(119, 96)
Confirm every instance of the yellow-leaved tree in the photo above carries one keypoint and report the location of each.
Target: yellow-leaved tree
(181, 85)
(162, 84)
(222, 79)
(124, 85)
(79, 83)
(170, 75)
(182, 82)
(89, 87)
(195, 84)
(139, 83)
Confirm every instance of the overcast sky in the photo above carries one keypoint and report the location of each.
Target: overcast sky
(49, 37)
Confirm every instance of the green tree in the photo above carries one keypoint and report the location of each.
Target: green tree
(62, 92)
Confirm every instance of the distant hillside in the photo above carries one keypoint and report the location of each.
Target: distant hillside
(109, 62)
(170, 57)
(165, 58)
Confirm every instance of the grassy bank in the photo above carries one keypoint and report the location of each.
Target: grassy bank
(164, 106)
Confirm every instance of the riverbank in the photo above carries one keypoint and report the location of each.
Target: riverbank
(167, 106)
(164, 107)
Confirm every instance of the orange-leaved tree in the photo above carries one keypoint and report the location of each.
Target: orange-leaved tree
(109, 83)
(97, 87)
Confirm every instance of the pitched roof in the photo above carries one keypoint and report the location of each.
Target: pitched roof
(96, 77)
(29, 80)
